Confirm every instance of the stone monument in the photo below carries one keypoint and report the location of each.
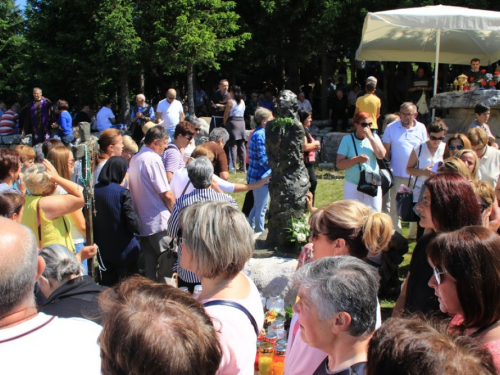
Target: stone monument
(290, 181)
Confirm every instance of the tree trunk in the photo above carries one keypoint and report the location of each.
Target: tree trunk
(142, 83)
(124, 96)
(352, 61)
(190, 83)
(324, 80)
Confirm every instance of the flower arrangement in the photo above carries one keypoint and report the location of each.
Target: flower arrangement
(282, 123)
(299, 230)
(272, 314)
(486, 80)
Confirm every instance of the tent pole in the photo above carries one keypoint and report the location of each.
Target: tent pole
(436, 67)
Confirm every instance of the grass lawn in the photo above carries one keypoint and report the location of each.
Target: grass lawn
(329, 190)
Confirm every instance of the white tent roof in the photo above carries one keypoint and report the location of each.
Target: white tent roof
(410, 35)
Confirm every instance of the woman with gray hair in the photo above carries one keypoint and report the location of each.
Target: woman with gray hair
(69, 293)
(44, 212)
(216, 242)
(337, 307)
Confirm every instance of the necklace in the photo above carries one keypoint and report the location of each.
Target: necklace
(482, 329)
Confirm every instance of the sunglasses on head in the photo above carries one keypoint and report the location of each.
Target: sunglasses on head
(453, 148)
(365, 124)
(437, 275)
(432, 138)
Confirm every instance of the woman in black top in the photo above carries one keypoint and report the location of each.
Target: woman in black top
(448, 204)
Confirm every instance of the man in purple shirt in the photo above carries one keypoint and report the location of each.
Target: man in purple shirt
(153, 200)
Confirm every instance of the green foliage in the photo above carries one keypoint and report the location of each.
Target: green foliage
(12, 50)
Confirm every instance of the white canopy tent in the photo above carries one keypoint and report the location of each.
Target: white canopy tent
(434, 34)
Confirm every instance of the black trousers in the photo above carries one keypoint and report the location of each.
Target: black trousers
(312, 178)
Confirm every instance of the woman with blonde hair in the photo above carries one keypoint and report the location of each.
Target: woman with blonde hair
(44, 212)
(485, 195)
(110, 144)
(345, 227)
(470, 159)
(454, 164)
(63, 161)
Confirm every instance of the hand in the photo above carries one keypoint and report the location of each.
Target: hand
(54, 125)
(317, 145)
(87, 252)
(309, 200)
(264, 181)
(20, 184)
(367, 131)
(363, 158)
(50, 171)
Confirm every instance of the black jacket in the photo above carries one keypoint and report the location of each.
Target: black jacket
(76, 298)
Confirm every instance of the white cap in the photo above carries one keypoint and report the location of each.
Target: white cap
(371, 79)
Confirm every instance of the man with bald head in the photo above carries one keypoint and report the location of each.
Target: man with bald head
(170, 111)
(32, 342)
(140, 113)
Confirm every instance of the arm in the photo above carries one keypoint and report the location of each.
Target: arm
(254, 185)
(86, 253)
(344, 163)
(412, 170)
(494, 223)
(79, 220)
(400, 303)
(169, 199)
(128, 213)
(169, 176)
(310, 146)
(378, 147)
(183, 116)
(387, 147)
(229, 105)
(58, 205)
(113, 120)
(224, 175)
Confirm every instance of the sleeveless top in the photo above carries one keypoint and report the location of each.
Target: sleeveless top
(237, 110)
(55, 231)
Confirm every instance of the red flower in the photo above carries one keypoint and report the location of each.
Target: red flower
(497, 73)
(471, 79)
(492, 83)
(483, 83)
(483, 71)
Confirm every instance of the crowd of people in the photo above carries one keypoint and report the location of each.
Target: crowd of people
(161, 209)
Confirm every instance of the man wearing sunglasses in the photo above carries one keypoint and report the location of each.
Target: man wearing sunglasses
(173, 156)
(170, 111)
(399, 139)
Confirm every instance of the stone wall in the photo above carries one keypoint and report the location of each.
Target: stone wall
(11, 141)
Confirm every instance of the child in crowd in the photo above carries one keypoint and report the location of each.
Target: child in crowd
(27, 155)
(482, 116)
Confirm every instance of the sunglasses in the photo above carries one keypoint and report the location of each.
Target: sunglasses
(483, 207)
(437, 275)
(453, 148)
(365, 124)
(432, 138)
(188, 137)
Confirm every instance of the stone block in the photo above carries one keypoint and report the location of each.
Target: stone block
(8, 139)
(273, 276)
(330, 145)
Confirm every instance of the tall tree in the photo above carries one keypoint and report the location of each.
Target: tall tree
(200, 33)
(119, 44)
(12, 42)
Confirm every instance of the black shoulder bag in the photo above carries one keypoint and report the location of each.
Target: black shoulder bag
(368, 181)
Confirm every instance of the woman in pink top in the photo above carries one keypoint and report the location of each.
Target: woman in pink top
(466, 281)
(216, 242)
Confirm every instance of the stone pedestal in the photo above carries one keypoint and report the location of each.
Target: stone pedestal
(289, 183)
(458, 109)
(329, 147)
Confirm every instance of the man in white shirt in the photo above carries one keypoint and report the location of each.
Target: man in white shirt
(399, 139)
(303, 103)
(105, 117)
(32, 342)
(170, 111)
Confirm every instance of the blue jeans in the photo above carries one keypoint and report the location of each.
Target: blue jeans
(257, 216)
(171, 132)
(78, 248)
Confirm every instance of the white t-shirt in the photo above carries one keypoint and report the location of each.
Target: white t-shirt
(403, 141)
(424, 161)
(305, 105)
(50, 345)
(170, 112)
(103, 117)
(180, 180)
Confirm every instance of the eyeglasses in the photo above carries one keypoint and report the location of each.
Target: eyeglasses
(188, 137)
(179, 236)
(458, 147)
(406, 114)
(365, 124)
(432, 138)
(169, 98)
(437, 275)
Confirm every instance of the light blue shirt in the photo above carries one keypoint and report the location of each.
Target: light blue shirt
(364, 146)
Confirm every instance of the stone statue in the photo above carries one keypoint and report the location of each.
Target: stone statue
(290, 181)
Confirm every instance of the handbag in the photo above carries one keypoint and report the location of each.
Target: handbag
(386, 174)
(422, 104)
(368, 181)
(404, 201)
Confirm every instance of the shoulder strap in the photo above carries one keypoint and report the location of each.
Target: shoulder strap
(185, 188)
(418, 164)
(39, 223)
(222, 302)
(355, 150)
